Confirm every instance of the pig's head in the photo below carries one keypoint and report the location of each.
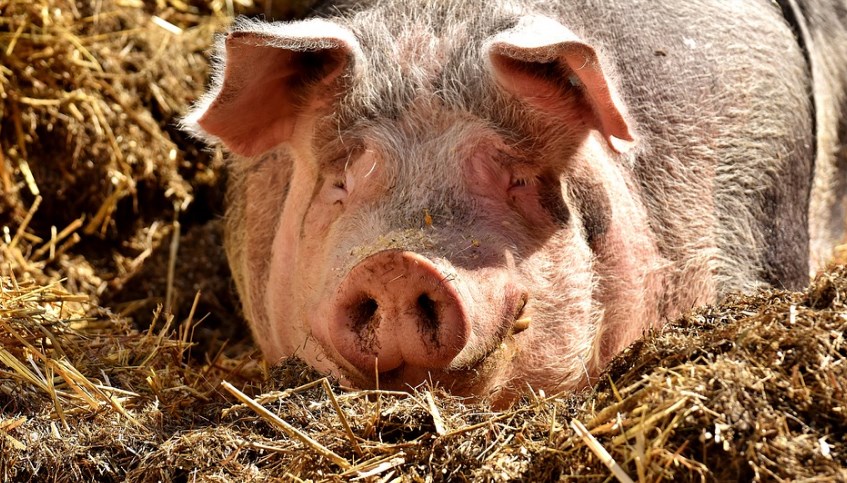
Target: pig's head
(443, 202)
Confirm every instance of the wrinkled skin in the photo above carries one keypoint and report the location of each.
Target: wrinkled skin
(492, 197)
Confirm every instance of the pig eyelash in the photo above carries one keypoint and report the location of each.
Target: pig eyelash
(340, 155)
(342, 185)
(521, 182)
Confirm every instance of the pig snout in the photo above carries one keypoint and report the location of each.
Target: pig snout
(397, 308)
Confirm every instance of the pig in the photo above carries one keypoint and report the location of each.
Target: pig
(500, 196)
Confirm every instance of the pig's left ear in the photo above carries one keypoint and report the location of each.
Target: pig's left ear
(539, 57)
(267, 77)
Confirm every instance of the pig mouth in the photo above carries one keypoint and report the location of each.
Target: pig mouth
(475, 379)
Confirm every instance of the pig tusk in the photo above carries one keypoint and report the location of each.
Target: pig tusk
(521, 325)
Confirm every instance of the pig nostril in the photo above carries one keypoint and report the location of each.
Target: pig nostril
(428, 311)
(362, 313)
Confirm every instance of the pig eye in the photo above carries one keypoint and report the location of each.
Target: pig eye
(519, 182)
(336, 190)
(338, 187)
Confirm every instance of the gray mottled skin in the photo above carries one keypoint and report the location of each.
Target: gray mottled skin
(732, 126)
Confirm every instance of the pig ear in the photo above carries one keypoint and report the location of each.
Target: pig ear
(269, 76)
(539, 57)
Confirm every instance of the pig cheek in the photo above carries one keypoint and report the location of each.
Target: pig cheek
(557, 351)
(310, 239)
(317, 275)
(280, 291)
(293, 276)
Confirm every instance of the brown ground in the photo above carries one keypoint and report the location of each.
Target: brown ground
(107, 211)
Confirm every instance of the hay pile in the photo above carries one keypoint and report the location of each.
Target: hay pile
(754, 388)
(91, 163)
(97, 184)
(89, 94)
(104, 204)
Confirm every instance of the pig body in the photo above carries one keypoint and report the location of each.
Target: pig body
(493, 196)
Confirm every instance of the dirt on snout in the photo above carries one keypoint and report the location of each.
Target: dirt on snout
(123, 356)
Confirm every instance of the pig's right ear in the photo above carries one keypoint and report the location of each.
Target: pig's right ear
(539, 59)
(267, 77)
